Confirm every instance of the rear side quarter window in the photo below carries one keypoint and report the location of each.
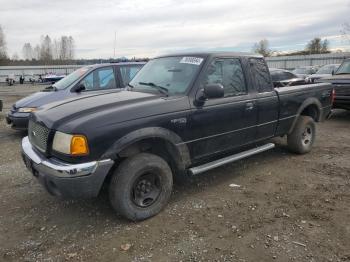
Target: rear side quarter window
(260, 74)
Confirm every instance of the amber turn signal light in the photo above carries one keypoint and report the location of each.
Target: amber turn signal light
(79, 145)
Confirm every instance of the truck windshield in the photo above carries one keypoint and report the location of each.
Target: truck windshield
(344, 68)
(170, 75)
(71, 78)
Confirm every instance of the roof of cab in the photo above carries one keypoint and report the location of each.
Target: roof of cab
(216, 53)
(116, 64)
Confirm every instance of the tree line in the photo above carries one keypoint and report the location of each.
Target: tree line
(47, 51)
(314, 46)
(3, 53)
(61, 50)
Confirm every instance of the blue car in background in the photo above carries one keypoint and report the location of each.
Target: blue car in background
(82, 82)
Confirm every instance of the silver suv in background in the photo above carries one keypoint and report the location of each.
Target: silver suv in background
(88, 80)
(324, 71)
(304, 71)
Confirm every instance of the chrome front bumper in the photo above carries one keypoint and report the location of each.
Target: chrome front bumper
(64, 179)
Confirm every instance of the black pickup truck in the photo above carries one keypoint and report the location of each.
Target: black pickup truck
(181, 115)
(341, 84)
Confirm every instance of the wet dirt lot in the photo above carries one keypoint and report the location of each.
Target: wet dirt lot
(287, 208)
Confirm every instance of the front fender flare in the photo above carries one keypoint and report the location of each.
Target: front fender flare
(180, 148)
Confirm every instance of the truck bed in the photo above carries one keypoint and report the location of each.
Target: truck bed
(292, 99)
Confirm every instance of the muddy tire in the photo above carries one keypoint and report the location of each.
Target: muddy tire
(141, 186)
(303, 136)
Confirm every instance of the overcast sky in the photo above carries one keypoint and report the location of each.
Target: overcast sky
(149, 28)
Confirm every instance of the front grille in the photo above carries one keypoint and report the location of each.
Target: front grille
(38, 135)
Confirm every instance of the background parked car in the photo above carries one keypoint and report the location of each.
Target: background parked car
(324, 71)
(281, 77)
(341, 83)
(304, 71)
(82, 82)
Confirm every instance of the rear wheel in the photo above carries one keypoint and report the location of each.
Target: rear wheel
(141, 186)
(302, 138)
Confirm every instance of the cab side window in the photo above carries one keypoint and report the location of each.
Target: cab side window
(88, 81)
(261, 74)
(99, 79)
(106, 79)
(229, 73)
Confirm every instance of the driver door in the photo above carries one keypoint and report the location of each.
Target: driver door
(223, 123)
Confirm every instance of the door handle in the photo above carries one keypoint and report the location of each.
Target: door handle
(249, 106)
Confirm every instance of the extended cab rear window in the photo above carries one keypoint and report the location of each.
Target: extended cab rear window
(260, 74)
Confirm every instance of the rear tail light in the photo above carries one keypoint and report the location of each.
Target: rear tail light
(333, 96)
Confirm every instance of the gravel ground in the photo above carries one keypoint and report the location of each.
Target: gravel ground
(286, 208)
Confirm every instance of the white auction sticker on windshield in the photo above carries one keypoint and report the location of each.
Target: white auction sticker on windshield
(191, 60)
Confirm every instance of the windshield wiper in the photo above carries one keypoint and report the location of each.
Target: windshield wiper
(161, 89)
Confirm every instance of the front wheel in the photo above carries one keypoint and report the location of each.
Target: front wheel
(141, 186)
(303, 136)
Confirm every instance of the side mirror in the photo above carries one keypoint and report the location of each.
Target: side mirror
(333, 72)
(78, 88)
(214, 91)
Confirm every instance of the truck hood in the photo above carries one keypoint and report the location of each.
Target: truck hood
(98, 110)
(41, 98)
(337, 79)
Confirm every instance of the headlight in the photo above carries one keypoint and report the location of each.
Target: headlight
(75, 145)
(27, 109)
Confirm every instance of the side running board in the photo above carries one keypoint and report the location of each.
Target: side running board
(211, 165)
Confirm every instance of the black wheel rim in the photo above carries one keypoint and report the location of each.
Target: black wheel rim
(306, 136)
(146, 190)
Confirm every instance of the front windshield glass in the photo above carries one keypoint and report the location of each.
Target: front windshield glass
(71, 78)
(326, 69)
(344, 68)
(170, 75)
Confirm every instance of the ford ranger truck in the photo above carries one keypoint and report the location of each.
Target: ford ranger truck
(181, 115)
